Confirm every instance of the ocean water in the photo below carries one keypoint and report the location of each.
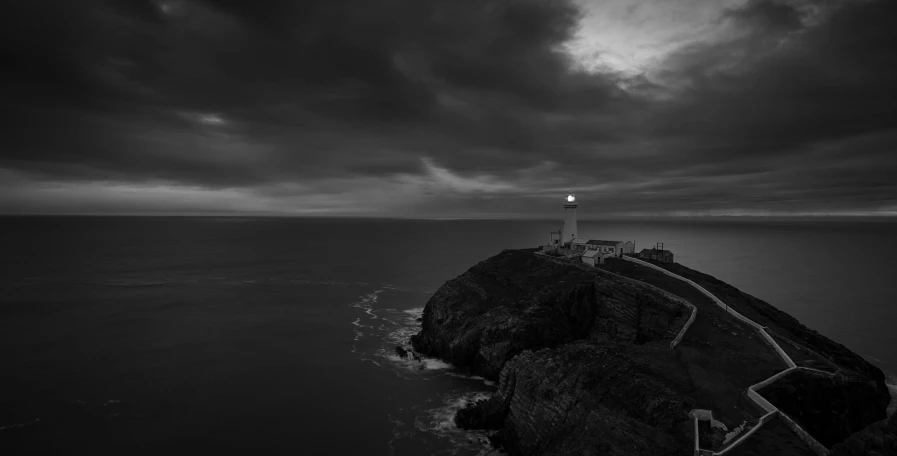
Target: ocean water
(135, 335)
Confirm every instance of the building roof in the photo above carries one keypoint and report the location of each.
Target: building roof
(590, 253)
(654, 251)
(579, 241)
(596, 242)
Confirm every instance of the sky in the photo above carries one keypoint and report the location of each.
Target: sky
(461, 108)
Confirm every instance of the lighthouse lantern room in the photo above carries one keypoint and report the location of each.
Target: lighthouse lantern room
(569, 232)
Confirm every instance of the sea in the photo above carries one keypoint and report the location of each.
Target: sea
(252, 335)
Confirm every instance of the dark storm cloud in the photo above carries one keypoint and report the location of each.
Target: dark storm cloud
(791, 110)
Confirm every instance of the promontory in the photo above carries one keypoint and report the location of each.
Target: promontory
(641, 358)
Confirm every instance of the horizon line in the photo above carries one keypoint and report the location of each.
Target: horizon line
(472, 218)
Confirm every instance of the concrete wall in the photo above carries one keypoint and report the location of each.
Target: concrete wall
(775, 377)
(697, 441)
(723, 306)
(778, 348)
(807, 438)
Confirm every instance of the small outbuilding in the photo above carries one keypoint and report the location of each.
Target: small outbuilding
(663, 256)
(591, 257)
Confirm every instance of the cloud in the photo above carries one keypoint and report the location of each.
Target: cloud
(486, 106)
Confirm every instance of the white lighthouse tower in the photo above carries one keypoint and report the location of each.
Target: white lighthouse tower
(569, 232)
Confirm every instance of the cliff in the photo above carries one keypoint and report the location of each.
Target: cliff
(583, 363)
(515, 301)
(879, 439)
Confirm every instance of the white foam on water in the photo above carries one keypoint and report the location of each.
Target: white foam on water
(388, 328)
(19, 425)
(472, 377)
(436, 364)
(441, 422)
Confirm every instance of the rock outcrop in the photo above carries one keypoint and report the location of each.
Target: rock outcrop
(583, 363)
(879, 439)
(829, 408)
(597, 398)
(515, 301)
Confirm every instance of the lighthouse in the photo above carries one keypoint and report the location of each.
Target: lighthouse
(569, 232)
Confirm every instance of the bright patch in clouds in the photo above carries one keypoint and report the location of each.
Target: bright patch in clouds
(629, 36)
(209, 119)
(444, 179)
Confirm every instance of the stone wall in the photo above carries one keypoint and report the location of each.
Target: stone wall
(776, 346)
(814, 445)
(722, 305)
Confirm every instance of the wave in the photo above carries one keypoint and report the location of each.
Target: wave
(378, 331)
(441, 422)
(19, 425)
(485, 381)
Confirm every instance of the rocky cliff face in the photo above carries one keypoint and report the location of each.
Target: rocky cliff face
(830, 409)
(515, 301)
(604, 398)
(879, 439)
(583, 362)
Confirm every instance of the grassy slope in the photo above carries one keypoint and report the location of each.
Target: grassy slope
(721, 355)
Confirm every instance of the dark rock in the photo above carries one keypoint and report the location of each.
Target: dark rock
(583, 396)
(879, 439)
(830, 409)
(515, 301)
(401, 352)
(483, 415)
(419, 319)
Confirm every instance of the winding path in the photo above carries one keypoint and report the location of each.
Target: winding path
(771, 410)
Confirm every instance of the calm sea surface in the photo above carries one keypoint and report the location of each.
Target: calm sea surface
(275, 336)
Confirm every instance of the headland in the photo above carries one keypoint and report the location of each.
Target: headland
(642, 357)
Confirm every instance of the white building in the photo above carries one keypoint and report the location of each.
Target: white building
(591, 257)
(568, 237)
(605, 248)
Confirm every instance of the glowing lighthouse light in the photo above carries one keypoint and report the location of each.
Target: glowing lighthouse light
(569, 232)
